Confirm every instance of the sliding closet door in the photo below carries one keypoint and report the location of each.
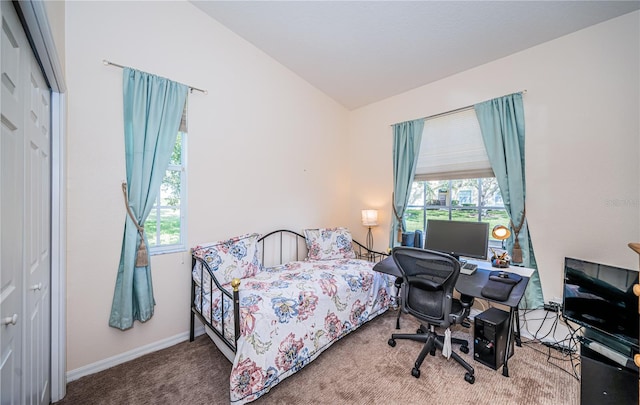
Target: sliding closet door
(25, 205)
(11, 210)
(37, 241)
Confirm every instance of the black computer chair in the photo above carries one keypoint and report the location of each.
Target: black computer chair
(428, 280)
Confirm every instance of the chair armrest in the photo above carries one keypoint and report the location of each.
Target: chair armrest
(466, 301)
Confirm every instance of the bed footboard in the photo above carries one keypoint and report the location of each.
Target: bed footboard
(201, 274)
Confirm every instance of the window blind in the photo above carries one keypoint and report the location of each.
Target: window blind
(452, 148)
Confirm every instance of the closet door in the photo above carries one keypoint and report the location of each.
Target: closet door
(37, 239)
(11, 208)
(25, 206)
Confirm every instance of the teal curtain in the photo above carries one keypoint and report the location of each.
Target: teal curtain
(153, 109)
(502, 126)
(406, 145)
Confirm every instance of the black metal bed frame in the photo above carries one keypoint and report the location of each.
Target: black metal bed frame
(297, 250)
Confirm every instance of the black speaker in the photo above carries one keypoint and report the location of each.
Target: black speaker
(408, 238)
(418, 240)
(491, 329)
(605, 382)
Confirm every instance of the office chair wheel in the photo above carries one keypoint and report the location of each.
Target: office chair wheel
(420, 331)
(470, 378)
(416, 373)
(464, 349)
(392, 342)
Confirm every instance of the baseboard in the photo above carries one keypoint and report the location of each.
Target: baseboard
(130, 355)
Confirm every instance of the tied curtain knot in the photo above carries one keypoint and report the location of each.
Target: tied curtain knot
(398, 218)
(516, 255)
(142, 255)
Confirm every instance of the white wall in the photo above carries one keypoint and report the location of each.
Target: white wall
(55, 17)
(266, 150)
(582, 143)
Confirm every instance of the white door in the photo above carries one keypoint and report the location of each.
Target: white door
(25, 202)
(11, 217)
(37, 237)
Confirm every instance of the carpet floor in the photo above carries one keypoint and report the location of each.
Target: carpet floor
(361, 368)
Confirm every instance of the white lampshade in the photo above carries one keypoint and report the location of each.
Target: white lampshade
(500, 232)
(370, 217)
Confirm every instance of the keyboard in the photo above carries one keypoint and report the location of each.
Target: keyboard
(468, 268)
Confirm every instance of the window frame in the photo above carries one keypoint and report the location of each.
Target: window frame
(478, 207)
(180, 246)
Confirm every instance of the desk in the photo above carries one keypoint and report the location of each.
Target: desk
(472, 285)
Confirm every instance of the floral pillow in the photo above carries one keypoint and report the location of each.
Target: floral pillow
(329, 244)
(233, 258)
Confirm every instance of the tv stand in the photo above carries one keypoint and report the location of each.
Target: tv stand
(604, 380)
(609, 346)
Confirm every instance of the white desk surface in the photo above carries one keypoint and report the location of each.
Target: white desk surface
(484, 264)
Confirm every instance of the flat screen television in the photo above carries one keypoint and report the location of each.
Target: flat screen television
(601, 297)
(458, 238)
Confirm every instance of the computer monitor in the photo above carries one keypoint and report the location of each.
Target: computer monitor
(458, 238)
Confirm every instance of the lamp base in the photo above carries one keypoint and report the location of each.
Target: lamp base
(369, 240)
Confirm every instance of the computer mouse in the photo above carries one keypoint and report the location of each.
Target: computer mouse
(502, 274)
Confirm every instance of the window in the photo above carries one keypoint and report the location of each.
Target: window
(452, 148)
(166, 224)
(475, 199)
(454, 180)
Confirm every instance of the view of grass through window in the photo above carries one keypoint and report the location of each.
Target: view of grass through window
(457, 200)
(164, 224)
(169, 221)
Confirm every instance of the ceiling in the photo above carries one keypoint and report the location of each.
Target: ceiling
(360, 52)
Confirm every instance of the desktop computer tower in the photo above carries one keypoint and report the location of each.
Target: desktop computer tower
(491, 329)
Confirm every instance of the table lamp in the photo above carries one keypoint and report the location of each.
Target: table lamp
(500, 232)
(369, 219)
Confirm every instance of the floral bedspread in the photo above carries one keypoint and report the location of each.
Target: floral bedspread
(293, 312)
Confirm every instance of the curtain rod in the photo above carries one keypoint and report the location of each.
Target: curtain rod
(191, 88)
(457, 110)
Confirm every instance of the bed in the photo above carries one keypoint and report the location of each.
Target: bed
(296, 296)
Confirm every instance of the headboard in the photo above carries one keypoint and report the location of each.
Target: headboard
(283, 246)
